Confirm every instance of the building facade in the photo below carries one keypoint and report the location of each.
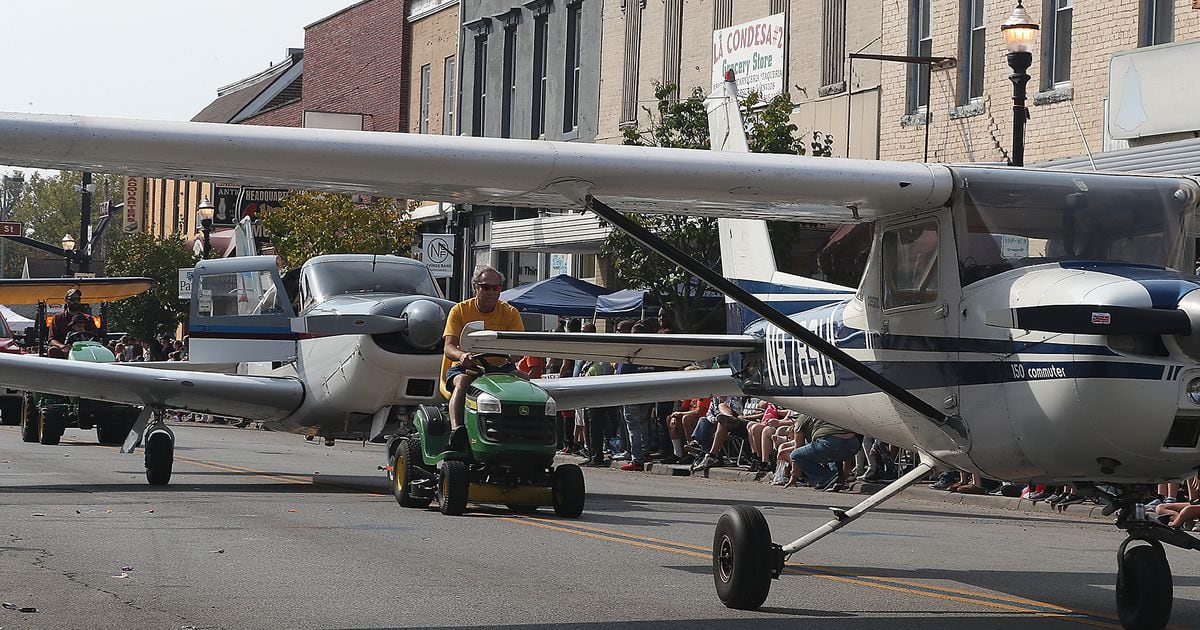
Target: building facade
(968, 111)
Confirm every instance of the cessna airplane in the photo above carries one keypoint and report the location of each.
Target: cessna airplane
(1025, 325)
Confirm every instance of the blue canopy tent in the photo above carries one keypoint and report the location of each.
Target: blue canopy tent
(626, 302)
(560, 295)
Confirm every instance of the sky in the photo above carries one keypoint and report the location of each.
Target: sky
(156, 59)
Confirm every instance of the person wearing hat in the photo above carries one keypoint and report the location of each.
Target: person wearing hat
(65, 323)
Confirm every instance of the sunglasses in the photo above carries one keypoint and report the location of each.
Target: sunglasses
(488, 287)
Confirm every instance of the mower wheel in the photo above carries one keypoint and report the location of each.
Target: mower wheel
(568, 491)
(453, 486)
(31, 422)
(403, 474)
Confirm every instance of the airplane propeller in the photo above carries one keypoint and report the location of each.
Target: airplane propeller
(421, 322)
(1093, 319)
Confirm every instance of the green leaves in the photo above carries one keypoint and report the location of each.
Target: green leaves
(158, 310)
(312, 224)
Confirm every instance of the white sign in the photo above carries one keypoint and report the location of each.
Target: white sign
(437, 251)
(1013, 247)
(754, 52)
(559, 265)
(185, 283)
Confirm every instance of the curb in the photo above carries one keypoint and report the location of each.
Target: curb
(1081, 511)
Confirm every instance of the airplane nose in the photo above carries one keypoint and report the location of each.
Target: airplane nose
(426, 323)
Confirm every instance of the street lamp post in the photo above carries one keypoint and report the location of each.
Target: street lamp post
(68, 245)
(204, 216)
(1020, 33)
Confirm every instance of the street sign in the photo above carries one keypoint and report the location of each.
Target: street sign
(12, 228)
(185, 283)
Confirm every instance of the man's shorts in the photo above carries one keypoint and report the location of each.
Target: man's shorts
(456, 368)
(735, 426)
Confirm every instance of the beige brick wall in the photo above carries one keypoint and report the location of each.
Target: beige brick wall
(1099, 30)
(433, 39)
(803, 77)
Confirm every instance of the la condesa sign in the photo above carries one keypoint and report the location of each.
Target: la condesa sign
(754, 51)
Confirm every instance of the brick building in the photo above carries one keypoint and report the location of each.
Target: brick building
(971, 120)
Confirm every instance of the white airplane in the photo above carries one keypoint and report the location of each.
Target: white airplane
(1021, 324)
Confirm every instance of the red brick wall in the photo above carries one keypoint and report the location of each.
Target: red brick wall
(353, 64)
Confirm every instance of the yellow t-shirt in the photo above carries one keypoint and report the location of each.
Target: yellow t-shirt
(503, 317)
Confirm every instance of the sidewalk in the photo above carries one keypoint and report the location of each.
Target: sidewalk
(922, 491)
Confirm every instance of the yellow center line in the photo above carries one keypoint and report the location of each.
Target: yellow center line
(1012, 603)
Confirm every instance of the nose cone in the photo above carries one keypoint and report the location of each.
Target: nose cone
(426, 323)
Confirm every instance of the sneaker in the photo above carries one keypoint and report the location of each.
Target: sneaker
(458, 439)
(620, 457)
(970, 488)
(706, 462)
(1055, 498)
(693, 447)
(1070, 499)
(942, 485)
(836, 486)
(634, 466)
(828, 484)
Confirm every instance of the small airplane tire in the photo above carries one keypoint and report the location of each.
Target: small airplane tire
(31, 422)
(521, 508)
(568, 491)
(742, 558)
(403, 474)
(160, 455)
(1144, 590)
(453, 486)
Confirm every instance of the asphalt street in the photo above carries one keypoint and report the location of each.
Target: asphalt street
(266, 530)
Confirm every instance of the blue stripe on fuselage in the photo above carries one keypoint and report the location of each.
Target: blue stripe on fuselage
(1165, 287)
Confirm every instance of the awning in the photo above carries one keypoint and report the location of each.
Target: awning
(1181, 157)
(560, 295)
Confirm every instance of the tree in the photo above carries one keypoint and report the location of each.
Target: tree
(311, 224)
(49, 206)
(683, 124)
(158, 310)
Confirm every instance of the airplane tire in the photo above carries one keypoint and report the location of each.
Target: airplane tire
(569, 491)
(742, 558)
(453, 487)
(1144, 590)
(160, 456)
(403, 474)
(31, 422)
(11, 411)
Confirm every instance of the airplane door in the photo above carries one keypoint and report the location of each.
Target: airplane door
(240, 313)
(918, 301)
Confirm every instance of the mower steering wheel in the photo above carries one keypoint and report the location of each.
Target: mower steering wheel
(79, 335)
(484, 367)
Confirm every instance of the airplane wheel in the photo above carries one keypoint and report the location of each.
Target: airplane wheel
(1144, 591)
(452, 490)
(568, 491)
(160, 455)
(742, 558)
(403, 474)
(31, 422)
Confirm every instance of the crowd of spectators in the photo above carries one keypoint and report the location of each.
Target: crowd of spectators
(128, 349)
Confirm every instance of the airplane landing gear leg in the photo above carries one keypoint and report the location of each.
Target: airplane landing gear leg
(745, 560)
(1144, 590)
(160, 451)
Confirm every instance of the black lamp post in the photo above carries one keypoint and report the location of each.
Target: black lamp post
(68, 245)
(204, 215)
(1020, 33)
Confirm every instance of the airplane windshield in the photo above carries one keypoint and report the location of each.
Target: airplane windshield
(338, 277)
(1016, 219)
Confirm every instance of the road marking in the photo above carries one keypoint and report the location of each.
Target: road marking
(1004, 602)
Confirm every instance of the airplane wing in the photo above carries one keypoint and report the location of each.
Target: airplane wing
(34, 290)
(628, 389)
(252, 397)
(487, 171)
(658, 350)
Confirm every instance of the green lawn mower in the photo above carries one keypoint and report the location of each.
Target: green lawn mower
(47, 416)
(509, 458)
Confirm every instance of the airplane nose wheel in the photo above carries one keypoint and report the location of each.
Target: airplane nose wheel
(744, 559)
(1144, 590)
(160, 455)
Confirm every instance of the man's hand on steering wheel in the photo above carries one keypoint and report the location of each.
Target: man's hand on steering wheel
(79, 335)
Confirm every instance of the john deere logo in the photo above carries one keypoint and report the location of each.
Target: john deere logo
(523, 410)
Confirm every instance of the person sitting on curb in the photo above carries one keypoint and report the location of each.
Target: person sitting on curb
(726, 420)
(827, 444)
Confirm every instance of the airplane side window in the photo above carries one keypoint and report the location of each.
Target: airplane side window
(910, 265)
(238, 294)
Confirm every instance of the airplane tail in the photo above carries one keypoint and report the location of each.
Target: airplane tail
(746, 254)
